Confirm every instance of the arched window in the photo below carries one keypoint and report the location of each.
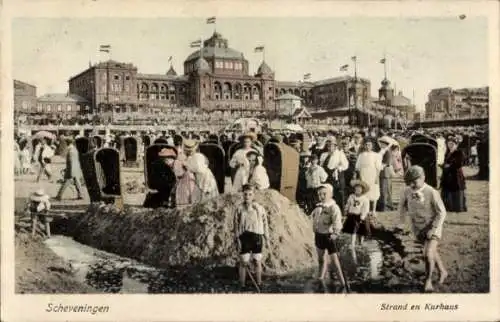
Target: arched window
(154, 93)
(256, 92)
(217, 91)
(144, 91)
(227, 91)
(237, 91)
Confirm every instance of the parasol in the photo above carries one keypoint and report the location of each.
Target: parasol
(44, 134)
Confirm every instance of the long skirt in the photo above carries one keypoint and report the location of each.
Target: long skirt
(385, 201)
(454, 201)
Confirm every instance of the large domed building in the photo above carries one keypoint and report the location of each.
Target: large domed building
(216, 77)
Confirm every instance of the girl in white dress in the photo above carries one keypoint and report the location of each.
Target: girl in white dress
(240, 162)
(368, 167)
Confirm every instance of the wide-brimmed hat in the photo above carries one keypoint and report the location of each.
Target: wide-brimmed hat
(39, 196)
(331, 139)
(413, 173)
(167, 153)
(251, 135)
(190, 144)
(360, 183)
(326, 186)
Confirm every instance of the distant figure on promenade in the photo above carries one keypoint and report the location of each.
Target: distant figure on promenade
(44, 156)
(73, 171)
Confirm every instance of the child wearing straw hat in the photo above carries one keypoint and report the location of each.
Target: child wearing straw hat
(37, 207)
(423, 204)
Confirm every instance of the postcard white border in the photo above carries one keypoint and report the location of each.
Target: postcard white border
(242, 307)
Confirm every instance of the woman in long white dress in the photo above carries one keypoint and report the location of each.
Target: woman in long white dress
(204, 178)
(368, 167)
(257, 173)
(240, 162)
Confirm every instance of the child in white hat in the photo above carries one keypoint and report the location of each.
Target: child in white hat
(327, 225)
(38, 206)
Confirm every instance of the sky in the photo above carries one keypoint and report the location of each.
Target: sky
(422, 53)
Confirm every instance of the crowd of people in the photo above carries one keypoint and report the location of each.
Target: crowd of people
(344, 180)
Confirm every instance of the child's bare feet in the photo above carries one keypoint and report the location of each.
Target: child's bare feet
(442, 276)
(428, 286)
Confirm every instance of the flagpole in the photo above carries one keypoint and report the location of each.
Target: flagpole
(385, 66)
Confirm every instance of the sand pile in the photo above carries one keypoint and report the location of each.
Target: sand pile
(199, 235)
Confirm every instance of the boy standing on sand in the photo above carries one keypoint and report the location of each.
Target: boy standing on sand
(327, 225)
(251, 229)
(423, 204)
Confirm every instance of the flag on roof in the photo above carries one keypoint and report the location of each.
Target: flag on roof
(211, 20)
(382, 61)
(105, 48)
(307, 76)
(354, 58)
(196, 44)
(259, 49)
(343, 68)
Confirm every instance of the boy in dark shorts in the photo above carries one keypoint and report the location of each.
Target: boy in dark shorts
(423, 204)
(251, 231)
(327, 225)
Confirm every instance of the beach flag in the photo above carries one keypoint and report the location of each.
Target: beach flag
(196, 44)
(259, 49)
(307, 76)
(211, 20)
(382, 61)
(105, 48)
(343, 68)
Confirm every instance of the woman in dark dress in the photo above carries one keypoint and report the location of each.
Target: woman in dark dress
(452, 179)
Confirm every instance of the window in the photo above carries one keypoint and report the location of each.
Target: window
(25, 105)
(68, 107)
(39, 107)
(219, 64)
(49, 107)
(127, 88)
(117, 77)
(228, 65)
(59, 108)
(127, 77)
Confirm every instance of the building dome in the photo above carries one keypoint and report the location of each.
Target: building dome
(215, 47)
(201, 65)
(171, 71)
(264, 69)
(216, 52)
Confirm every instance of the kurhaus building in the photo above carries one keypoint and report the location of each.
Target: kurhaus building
(215, 78)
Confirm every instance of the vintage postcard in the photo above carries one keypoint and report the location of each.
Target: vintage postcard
(240, 160)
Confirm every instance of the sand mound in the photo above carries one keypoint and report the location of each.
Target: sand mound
(199, 235)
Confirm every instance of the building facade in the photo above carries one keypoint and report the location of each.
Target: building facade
(447, 103)
(56, 106)
(25, 100)
(215, 78)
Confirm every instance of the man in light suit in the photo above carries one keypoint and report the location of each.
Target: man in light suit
(73, 171)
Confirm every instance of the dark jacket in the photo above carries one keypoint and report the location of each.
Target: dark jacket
(453, 178)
